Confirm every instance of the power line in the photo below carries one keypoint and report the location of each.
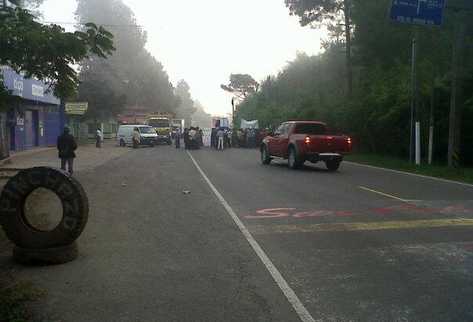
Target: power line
(83, 23)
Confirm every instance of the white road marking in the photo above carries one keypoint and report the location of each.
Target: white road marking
(411, 174)
(384, 194)
(291, 296)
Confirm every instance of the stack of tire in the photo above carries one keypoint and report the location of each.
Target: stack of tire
(33, 246)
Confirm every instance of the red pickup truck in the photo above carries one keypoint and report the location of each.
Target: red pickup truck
(300, 141)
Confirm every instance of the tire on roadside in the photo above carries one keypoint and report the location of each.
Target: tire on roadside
(74, 201)
(46, 256)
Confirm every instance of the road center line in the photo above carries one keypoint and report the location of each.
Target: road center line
(384, 194)
(291, 296)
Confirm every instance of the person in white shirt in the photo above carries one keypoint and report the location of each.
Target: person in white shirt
(98, 138)
(220, 136)
(136, 138)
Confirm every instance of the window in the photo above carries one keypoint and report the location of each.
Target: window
(280, 130)
(147, 130)
(311, 129)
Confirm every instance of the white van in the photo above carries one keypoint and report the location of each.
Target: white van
(148, 135)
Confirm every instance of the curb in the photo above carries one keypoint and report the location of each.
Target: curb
(12, 157)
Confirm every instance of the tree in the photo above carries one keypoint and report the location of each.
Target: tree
(186, 106)
(132, 71)
(334, 13)
(200, 117)
(377, 115)
(47, 52)
(241, 85)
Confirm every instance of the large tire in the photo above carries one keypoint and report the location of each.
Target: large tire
(294, 160)
(48, 256)
(265, 157)
(332, 165)
(74, 203)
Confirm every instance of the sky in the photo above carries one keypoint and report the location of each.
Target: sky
(205, 41)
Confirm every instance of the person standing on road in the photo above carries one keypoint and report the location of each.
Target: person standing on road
(213, 138)
(177, 138)
(66, 145)
(201, 136)
(98, 138)
(136, 138)
(220, 136)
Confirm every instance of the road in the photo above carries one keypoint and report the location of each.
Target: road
(362, 244)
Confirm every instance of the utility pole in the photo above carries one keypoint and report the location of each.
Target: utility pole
(412, 147)
(233, 111)
(349, 71)
(431, 126)
(454, 133)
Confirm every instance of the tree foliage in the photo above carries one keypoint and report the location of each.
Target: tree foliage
(241, 85)
(186, 106)
(132, 72)
(47, 52)
(336, 15)
(200, 117)
(378, 113)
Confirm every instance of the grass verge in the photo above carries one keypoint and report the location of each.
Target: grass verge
(462, 174)
(15, 300)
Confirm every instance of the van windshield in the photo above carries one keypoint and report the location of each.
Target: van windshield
(158, 123)
(147, 130)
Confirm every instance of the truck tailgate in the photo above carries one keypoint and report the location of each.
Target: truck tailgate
(328, 144)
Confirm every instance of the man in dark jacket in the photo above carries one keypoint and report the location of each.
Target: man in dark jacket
(66, 145)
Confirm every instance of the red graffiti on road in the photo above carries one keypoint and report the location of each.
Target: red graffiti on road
(278, 213)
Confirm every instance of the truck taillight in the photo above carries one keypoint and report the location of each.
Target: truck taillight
(349, 141)
(307, 140)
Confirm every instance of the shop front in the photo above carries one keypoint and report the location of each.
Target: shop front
(35, 118)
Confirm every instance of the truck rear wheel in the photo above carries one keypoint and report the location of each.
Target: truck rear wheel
(294, 160)
(332, 165)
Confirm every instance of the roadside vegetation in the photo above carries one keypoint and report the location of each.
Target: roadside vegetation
(367, 94)
(15, 301)
(438, 171)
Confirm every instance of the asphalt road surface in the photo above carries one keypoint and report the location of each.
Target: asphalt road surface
(216, 236)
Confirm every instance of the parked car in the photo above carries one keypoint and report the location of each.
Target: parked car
(148, 135)
(301, 141)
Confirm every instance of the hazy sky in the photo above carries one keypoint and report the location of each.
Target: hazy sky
(205, 41)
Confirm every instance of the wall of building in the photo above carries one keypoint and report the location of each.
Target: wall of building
(34, 125)
(34, 118)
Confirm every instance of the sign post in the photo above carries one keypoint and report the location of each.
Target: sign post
(78, 108)
(417, 12)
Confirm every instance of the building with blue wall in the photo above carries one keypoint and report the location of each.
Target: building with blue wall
(36, 118)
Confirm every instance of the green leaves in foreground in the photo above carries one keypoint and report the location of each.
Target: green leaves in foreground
(48, 52)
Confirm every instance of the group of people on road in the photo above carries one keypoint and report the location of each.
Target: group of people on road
(220, 138)
(250, 138)
(193, 138)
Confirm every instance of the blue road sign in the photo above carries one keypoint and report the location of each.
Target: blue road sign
(420, 12)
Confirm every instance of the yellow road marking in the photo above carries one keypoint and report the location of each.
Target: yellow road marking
(383, 194)
(360, 226)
